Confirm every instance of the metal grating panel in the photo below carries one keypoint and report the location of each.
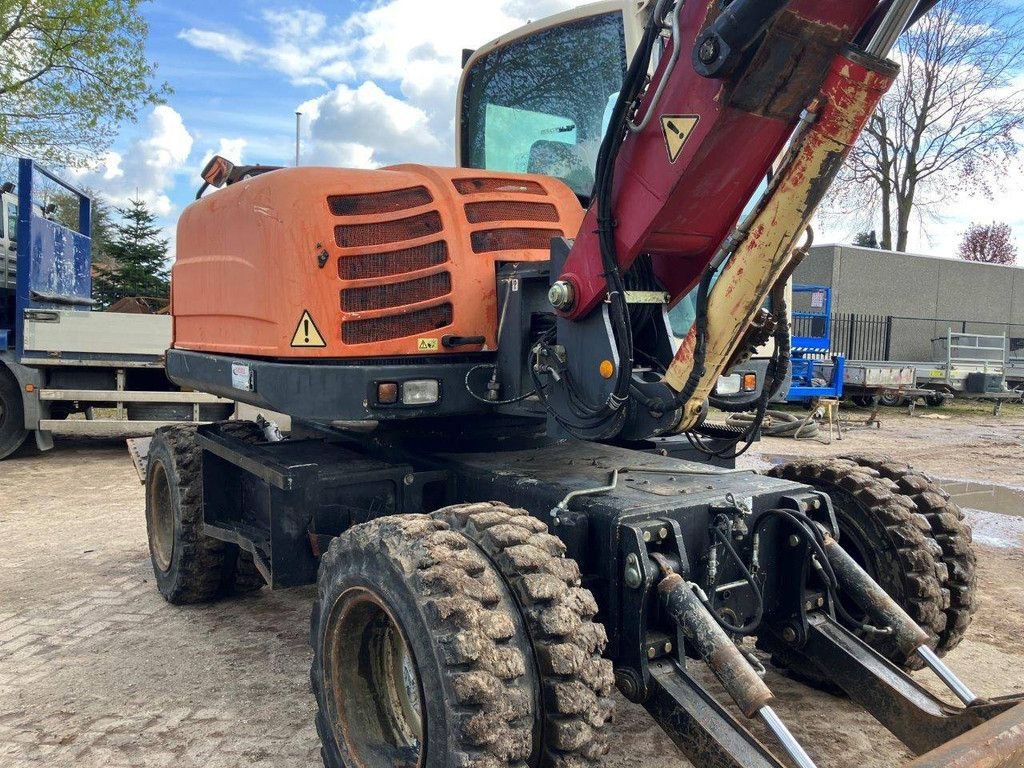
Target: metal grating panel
(396, 294)
(513, 239)
(491, 186)
(498, 210)
(379, 202)
(393, 262)
(381, 232)
(384, 328)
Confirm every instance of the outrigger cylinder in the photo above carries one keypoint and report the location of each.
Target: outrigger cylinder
(720, 653)
(882, 609)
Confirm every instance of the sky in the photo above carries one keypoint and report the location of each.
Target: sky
(376, 83)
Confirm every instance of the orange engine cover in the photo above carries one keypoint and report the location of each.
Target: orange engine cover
(337, 263)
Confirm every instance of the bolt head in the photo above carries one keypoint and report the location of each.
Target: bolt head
(651, 652)
(668, 647)
(561, 295)
(647, 536)
(794, 540)
(708, 51)
(789, 634)
(663, 533)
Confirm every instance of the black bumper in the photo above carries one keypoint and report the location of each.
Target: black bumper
(327, 392)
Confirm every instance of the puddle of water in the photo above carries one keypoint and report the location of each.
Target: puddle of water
(1001, 499)
(995, 512)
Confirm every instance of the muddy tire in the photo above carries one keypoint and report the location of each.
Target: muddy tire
(953, 535)
(189, 566)
(420, 656)
(882, 529)
(12, 414)
(559, 614)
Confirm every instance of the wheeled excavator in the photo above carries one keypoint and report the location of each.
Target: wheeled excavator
(503, 471)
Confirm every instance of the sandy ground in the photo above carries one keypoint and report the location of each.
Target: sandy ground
(97, 671)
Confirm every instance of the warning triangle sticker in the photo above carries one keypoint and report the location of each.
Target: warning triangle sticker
(307, 334)
(677, 129)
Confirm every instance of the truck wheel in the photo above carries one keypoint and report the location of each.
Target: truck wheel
(12, 414)
(420, 657)
(567, 643)
(881, 528)
(189, 566)
(953, 534)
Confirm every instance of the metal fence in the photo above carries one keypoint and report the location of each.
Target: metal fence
(891, 337)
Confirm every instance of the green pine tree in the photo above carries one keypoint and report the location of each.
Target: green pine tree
(139, 256)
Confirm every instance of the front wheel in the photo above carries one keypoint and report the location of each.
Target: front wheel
(879, 526)
(420, 656)
(12, 414)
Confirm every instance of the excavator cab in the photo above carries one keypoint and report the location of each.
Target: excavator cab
(539, 100)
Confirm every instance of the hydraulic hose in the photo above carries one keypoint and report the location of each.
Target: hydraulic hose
(779, 424)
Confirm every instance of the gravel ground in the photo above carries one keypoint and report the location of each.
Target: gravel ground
(97, 671)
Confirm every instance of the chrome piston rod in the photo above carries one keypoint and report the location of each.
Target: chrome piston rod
(886, 612)
(720, 653)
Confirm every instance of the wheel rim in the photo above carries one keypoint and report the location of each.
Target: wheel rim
(375, 695)
(160, 517)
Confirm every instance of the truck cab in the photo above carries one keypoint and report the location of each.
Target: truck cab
(523, 108)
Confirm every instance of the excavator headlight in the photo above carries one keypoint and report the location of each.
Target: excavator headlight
(729, 385)
(421, 392)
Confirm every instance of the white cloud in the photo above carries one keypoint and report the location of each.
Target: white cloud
(392, 71)
(147, 169)
(233, 48)
(368, 126)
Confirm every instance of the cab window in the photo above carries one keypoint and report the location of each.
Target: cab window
(541, 104)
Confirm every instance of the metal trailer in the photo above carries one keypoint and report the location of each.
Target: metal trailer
(59, 358)
(960, 361)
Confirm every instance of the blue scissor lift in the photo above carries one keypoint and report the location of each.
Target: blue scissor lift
(812, 359)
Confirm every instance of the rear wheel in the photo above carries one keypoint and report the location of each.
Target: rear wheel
(420, 656)
(881, 528)
(189, 566)
(892, 399)
(12, 414)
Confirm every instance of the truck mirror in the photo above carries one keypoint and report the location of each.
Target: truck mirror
(217, 171)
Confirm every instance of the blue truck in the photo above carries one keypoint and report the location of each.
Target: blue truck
(66, 369)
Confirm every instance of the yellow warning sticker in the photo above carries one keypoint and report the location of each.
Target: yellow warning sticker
(428, 345)
(307, 334)
(677, 129)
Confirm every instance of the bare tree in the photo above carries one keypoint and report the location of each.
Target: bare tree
(988, 243)
(948, 123)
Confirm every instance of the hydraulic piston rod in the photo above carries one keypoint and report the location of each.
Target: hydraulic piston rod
(733, 671)
(887, 613)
